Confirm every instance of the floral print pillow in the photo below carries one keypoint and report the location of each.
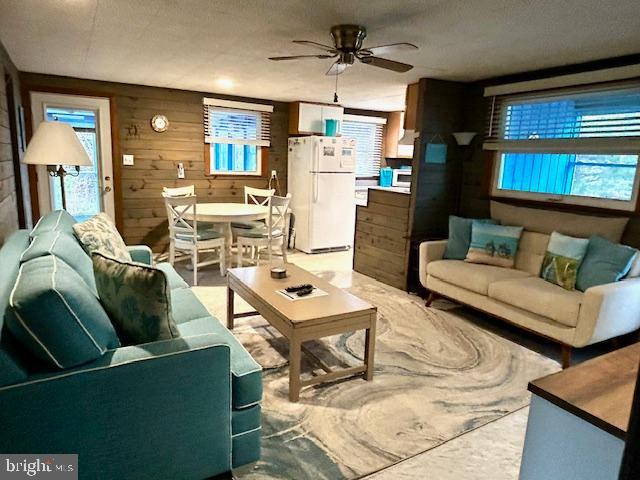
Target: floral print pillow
(99, 234)
(137, 299)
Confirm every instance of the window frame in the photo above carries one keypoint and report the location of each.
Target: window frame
(575, 200)
(497, 145)
(262, 144)
(379, 122)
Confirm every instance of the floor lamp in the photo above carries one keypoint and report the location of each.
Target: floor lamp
(55, 144)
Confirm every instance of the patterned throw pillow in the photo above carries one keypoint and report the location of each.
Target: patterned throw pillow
(493, 244)
(99, 234)
(137, 298)
(562, 260)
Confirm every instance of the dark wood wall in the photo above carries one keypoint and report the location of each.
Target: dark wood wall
(141, 214)
(12, 214)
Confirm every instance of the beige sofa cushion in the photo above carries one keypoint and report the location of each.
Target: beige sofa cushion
(547, 221)
(541, 297)
(531, 252)
(472, 276)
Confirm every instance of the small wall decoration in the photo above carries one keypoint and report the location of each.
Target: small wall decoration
(436, 153)
(159, 123)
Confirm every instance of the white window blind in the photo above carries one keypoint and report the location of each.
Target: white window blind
(368, 137)
(593, 119)
(239, 123)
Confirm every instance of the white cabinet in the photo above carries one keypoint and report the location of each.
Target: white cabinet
(308, 118)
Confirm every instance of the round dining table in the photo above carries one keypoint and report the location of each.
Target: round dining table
(227, 213)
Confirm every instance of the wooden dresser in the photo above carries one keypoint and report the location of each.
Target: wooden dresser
(578, 419)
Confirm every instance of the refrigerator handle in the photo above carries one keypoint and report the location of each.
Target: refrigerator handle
(315, 163)
(315, 187)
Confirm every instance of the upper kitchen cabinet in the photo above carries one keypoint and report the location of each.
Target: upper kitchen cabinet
(308, 118)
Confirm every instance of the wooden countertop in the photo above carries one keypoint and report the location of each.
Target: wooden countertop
(600, 391)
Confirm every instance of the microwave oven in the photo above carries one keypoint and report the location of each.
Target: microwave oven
(401, 177)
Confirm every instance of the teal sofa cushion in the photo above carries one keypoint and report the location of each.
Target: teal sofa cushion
(136, 297)
(58, 220)
(12, 366)
(460, 237)
(562, 260)
(245, 419)
(64, 246)
(175, 280)
(246, 374)
(99, 234)
(186, 306)
(605, 262)
(56, 316)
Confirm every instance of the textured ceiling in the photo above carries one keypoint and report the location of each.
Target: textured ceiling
(222, 45)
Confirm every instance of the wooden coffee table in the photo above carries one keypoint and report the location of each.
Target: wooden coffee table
(303, 320)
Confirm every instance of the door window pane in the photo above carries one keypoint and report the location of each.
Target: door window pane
(83, 192)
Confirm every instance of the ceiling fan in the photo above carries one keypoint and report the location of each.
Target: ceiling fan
(347, 48)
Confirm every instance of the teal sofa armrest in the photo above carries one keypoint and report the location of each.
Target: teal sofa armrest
(160, 410)
(141, 254)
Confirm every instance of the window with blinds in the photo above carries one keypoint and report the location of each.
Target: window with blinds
(576, 146)
(368, 137)
(236, 132)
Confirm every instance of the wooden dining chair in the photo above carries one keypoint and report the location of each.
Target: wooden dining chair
(189, 238)
(254, 196)
(273, 233)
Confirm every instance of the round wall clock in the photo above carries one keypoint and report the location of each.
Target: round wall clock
(159, 123)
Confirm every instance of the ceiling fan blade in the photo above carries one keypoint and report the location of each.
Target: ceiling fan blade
(316, 45)
(296, 57)
(337, 68)
(388, 64)
(391, 48)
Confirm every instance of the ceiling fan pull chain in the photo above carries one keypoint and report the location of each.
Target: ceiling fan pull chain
(335, 93)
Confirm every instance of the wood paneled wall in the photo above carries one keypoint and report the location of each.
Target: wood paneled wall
(142, 218)
(10, 196)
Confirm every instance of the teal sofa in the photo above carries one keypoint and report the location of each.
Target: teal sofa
(186, 408)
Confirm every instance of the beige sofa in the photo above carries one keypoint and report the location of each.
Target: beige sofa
(518, 295)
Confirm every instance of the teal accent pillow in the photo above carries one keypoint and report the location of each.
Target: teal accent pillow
(58, 220)
(493, 244)
(137, 297)
(55, 315)
(460, 236)
(605, 262)
(99, 234)
(562, 260)
(66, 248)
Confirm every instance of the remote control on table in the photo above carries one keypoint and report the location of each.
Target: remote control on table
(304, 291)
(295, 288)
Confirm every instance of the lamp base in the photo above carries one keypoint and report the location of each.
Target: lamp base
(60, 172)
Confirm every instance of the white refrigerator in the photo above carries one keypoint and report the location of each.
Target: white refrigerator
(321, 180)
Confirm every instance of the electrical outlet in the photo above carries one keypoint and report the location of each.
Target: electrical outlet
(274, 174)
(180, 170)
(127, 160)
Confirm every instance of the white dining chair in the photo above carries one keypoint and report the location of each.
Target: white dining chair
(254, 196)
(190, 238)
(251, 242)
(179, 191)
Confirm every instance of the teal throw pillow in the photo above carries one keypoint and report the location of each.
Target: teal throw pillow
(99, 234)
(460, 236)
(493, 244)
(137, 298)
(66, 247)
(55, 315)
(58, 220)
(562, 260)
(605, 262)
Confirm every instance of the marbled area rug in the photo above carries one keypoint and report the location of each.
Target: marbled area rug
(437, 376)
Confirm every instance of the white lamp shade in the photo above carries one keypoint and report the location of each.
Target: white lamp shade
(464, 138)
(55, 143)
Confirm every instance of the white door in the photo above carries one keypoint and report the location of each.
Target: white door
(332, 212)
(91, 190)
(329, 155)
